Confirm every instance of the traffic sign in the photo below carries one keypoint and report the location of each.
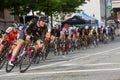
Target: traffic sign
(109, 4)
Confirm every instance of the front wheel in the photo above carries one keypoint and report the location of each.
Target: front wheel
(27, 59)
(2, 62)
(9, 68)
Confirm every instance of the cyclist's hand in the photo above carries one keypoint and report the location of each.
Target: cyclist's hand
(5, 37)
(28, 38)
(47, 36)
(1, 41)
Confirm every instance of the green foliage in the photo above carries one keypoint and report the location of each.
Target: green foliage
(47, 6)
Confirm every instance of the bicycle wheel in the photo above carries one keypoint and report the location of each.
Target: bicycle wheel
(2, 62)
(26, 60)
(3, 58)
(46, 52)
(37, 58)
(9, 68)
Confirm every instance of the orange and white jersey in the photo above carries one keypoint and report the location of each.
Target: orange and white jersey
(11, 34)
(9, 29)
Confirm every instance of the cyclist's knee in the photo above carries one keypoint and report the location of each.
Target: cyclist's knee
(40, 43)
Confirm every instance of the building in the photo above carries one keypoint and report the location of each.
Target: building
(116, 3)
(96, 8)
(116, 8)
(5, 19)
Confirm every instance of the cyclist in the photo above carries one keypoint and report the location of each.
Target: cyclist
(55, 32)
(55, 35)
(10, 35)
(37, 29)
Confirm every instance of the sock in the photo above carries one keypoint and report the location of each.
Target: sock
(29, 51)
(12, 58)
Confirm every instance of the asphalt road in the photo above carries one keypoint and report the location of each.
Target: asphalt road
(101, 63)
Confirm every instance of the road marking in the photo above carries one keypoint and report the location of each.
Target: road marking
(99, 64)
(117, 53)
(105, 52)
(2, 70)
(59, 72)
(48, 65)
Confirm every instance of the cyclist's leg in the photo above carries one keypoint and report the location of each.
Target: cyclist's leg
(11, 47)
(1, 48)
(1, 45)
(19, 44)
(38, 45)
(16, 50)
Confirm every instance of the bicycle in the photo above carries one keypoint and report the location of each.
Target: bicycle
(23, 54)
(56, 46)
(9, 68)
(95, 41)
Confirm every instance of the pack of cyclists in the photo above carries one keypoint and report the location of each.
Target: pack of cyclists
(63, 38)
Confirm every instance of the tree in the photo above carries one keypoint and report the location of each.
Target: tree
(20, 7)
(61, 6)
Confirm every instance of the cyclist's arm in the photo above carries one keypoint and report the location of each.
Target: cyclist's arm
(27, 32)
(8, 30)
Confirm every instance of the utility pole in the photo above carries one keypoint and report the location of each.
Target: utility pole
(23, 19)
(105, 13)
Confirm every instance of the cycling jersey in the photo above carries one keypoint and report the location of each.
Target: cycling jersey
(11, 35)
(94, 32)
(66, 32)
(37, 32)
(104, 31)
(56, 32)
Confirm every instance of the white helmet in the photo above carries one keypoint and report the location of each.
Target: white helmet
(21, 27)
(93, 27)
(15, 25)
(86, 27)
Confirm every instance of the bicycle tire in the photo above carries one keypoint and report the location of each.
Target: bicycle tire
(2, 62)
(9, 68)
(3, 56)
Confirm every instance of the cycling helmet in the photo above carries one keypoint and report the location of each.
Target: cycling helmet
(44, 18)
(86, 27)
(15, 25)
(21, 27)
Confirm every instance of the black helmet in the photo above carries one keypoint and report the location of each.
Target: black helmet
(44, 18)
